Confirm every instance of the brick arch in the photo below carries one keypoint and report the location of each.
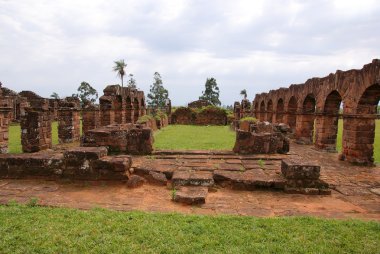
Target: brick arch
(262, 111)
(269, 111)
(359, 130)
(280, 110)
(327, 122)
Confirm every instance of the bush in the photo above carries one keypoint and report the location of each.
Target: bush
(144, 119)
(248, 119)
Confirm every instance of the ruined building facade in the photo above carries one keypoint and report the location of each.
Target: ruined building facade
(315, 107)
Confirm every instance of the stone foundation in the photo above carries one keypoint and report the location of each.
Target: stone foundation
(123, 138)
(303, 177)
(80, 163)
(262, 138)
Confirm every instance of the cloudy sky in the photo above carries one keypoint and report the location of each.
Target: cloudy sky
(51, 46)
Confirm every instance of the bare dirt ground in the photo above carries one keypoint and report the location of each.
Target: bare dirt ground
(355, 194)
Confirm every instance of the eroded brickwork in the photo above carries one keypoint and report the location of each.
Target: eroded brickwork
(4, 124)
(69, 120)
(120, 105)
(36, 127)
(315, 107)
(90, 118)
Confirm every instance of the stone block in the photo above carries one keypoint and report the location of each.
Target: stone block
(297, 169)
(191, 195)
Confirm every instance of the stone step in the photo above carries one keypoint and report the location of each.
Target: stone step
(192, 178)
(190, 195)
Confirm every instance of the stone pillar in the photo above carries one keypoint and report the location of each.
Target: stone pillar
(90, 118)
(69, 120)
(326, 130)
(4, 124)
(36, 127)
(305, 128)
(358, 138)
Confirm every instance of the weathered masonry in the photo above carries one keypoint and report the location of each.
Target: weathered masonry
(315, 105)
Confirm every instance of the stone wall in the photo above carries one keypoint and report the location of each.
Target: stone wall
(262, 138)
(36, 127)
(120, 105)
(319, 100)
(69, 120)
(90, 118)
(198, 104)
(121, 138)
(79, 163)
(205, 116)
(4, 125)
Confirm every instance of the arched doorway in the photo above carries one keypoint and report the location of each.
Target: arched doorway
(327, 123)
(359, 131)
(280, 111)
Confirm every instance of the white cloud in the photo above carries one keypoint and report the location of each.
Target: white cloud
(49, 46)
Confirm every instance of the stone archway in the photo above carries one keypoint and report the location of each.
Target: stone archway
(327, 123)
(280, 111)
(359, 129)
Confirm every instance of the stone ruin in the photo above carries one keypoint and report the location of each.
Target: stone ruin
(262, 138)
(318, 100)
(209, 115)
(111, 134)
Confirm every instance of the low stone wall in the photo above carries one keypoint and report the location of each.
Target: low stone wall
(79, 163)
(303, 177)
(205, 116)
(261, 138)
(121, 138)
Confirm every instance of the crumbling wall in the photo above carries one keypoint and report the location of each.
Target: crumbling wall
(318, 100)
(69, 120)
(205, 116)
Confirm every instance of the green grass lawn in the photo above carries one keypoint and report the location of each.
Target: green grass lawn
(26, 229)
(191, 137)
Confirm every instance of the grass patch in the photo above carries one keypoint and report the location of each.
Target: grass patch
(36, 229)
(191, 137)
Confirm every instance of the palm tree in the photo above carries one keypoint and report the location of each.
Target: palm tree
(244, 93)
(119, 68)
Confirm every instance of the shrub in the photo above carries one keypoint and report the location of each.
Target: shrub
(144, 119)
(248, 119)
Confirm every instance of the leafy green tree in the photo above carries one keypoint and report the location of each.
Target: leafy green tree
(244, 93)
(54, 95)
(120, 69)
(211, 92)
(86, 93)
(131, 81)
(158, 95)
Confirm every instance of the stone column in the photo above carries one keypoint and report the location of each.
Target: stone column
(69, 120)
(90, 118)
(36, 127)
(305, 128)
(358, 138)
(4, 124)
(326, 130)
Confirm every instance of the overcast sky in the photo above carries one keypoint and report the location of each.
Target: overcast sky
(52, 46)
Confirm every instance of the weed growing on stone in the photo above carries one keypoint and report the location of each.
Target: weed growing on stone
(261, 163)
(33, 202)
